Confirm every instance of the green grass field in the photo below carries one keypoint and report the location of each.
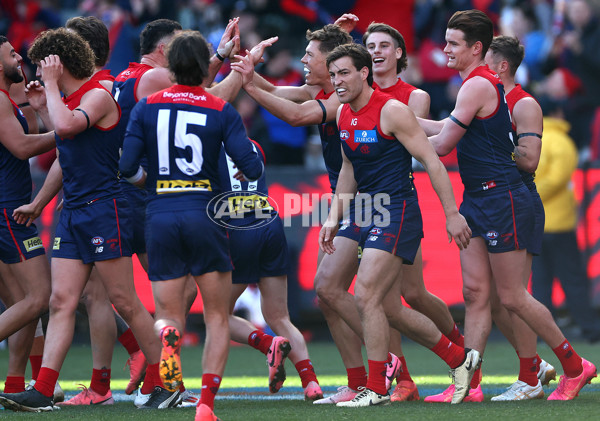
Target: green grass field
(244, 395)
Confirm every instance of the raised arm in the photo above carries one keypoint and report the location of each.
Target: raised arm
(399, 121)
(528, 118)
(229, 40)
(297, 114)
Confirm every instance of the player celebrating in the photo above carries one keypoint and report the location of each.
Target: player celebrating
(480, 128)
(379, 134)
(181, 131)
(85, 144)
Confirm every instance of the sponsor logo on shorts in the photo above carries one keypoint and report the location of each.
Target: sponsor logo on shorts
(372, 238)
(365, 136)
(226, 209)
(56, 245)
(97, 241)
(375, 231)
(491, 235)
(182, 186)
(33, 244)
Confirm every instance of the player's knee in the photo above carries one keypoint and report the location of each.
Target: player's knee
(62, 302)
(415, 298)
(474, 296)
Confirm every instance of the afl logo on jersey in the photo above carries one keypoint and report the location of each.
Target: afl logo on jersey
(97, 241)
(344, 135)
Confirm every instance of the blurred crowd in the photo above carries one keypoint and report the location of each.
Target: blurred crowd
(561, 39)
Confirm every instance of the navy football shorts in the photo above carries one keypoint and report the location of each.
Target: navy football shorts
(504, 219)
(259, 252)
(17, 242)
(95, 232)
(179, 242)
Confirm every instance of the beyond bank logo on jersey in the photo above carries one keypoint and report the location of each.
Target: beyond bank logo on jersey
(365, 136)
(242, 210)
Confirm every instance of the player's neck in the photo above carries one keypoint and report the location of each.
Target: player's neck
(362, 99)
(5, 84)
(152, 60)
(464, 73)
(68, 84)
(327, 86)
(509, 84)
(385, 80)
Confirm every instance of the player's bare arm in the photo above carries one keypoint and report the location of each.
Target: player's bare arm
(419, 101)
(477, 97)
(347, 22)
(36, 96)
(229, 40)
(398, 120)
(26, 214)
(296, 114)
(12, 136)
(17, 93)
(152, 81)
(528, 118)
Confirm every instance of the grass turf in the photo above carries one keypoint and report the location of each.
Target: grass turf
(244, 394)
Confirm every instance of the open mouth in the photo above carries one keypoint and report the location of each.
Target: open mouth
(378, 60)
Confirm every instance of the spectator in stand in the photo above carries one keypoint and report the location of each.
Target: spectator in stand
(560, 256)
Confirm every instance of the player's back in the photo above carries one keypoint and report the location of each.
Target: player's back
(183, 129)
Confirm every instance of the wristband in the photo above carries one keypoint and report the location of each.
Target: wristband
(217, 55)
(137, 176)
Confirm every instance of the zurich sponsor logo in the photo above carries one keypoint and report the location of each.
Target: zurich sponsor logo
(365, 136)
(491, 235)
(97, 241)
(344, 135)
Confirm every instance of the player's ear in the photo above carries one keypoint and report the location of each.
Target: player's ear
(364, 73)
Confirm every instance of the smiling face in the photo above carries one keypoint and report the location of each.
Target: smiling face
(315, 66)
(11, 63)
(384, 52)
(346, 79)
(460, 55)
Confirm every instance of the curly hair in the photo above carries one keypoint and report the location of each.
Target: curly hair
(95, 33)
(74, 52)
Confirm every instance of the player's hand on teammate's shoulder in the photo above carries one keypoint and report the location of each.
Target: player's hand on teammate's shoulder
(458, 229)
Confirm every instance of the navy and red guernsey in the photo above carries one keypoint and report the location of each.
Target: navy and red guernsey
(381, 163)
(249, 204)
(330, 143)
(485, 152)
(89, 160)
(15, 177)
(181, 131)
(400, 90)
(515, 95)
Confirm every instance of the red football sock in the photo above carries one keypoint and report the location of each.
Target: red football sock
(46, 381)
(528, 370)
(36, 364)
(100, 381)
(376, 380)
(210, 387)
(538, 362)
(403, 375)
(14, 384)
(452, 354)
(260, 340)
(570, 360)
(456, 337)
(357, 377)
(181, 388)
(129, 342)
(306, 371)
(151, 379)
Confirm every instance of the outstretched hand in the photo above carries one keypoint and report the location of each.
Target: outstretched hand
(229, 40)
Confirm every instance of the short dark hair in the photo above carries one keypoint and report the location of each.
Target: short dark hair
(330, 36)
(95, 32)
(510, 49)
(74, 52)
(358, 54)
(154, 31)
(188, 56)
(401, 63)
(3, 39)
(476, 26)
